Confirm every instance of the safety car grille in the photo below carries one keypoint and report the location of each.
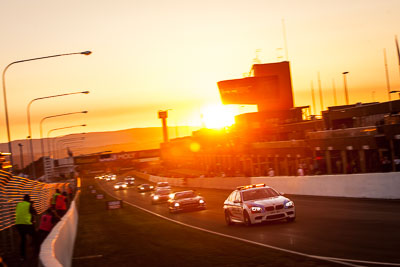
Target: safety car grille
(272, 208)
(275, 216)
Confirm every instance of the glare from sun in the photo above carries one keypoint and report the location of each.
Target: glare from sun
(218, 116)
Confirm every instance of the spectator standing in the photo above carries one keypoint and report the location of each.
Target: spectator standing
(300, 171)
(386, 164)
(70, 193)
(397, 164)
(24, 218)
(271, 172)
(61, 204)
(54, 198)
(47, 222)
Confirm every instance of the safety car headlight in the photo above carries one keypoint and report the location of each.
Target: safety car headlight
(176, 205)
(256, 209)
(201, 201)
(289, 204)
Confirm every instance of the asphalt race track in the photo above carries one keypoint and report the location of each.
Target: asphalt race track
(357, 230)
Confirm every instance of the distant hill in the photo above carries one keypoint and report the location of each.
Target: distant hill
(115, 141)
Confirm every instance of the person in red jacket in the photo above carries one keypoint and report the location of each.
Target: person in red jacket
(61, 204)
(47, 222)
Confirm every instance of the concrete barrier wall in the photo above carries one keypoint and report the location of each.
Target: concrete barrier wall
(215, 182)
(171, 181)
(57, 249)
(367, 185)
(141, 175)
(228, 183)
(156, 179)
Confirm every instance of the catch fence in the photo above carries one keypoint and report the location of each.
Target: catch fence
(12, 190)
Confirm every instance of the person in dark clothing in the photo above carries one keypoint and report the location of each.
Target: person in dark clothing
(24, 222)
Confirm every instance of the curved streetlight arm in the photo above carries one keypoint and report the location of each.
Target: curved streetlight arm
(39, 98)
(53, 116)
(61, 143)
(5, 95)
(37, 58)
(48, 134)
(346, 93)
(78, 139)
(29, 123)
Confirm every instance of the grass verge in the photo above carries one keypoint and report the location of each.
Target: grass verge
(131, 237)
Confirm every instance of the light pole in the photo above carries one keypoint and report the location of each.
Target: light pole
(387, 74)
(28, 110)
(346, 94)
(21, 155)
(48, 117)
(5, 95)
(55, 129)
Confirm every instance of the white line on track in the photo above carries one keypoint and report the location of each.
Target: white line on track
(87, 257)
(347, 262)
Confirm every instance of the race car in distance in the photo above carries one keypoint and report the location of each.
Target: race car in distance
(110, 177)
(257, 203)
(160, 195)
(120, 185)
(163, 185)
(145, 187)
(185, 200)
(129, 180)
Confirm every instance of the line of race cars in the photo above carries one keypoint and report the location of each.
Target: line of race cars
(248, 204)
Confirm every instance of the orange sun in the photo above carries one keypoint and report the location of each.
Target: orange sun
(218, 116)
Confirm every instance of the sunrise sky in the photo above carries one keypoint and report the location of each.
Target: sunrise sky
(153, 55)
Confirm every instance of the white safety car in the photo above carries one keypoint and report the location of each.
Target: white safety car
(257, 203)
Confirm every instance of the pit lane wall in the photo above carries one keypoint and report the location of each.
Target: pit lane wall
(365, 185)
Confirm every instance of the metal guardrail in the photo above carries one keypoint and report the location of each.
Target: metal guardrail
(12, 190)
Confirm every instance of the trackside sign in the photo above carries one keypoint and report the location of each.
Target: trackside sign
(115, 204)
